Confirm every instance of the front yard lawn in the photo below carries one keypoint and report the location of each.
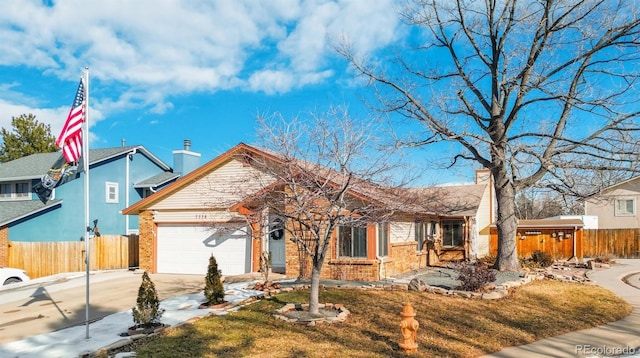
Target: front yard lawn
(449, 326)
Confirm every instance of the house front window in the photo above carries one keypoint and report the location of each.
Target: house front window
(419, 235)
(15, 191)
(625, 207)
(452, 233)
(352, 241)
(111, 192)
(383, 239)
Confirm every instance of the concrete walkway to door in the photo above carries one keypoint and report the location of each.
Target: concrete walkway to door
(616, 338)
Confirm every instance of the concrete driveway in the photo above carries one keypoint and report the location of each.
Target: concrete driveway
(57, 302)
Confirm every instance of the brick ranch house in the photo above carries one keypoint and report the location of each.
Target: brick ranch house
(207, 212)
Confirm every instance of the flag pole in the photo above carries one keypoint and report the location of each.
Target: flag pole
(85, 159)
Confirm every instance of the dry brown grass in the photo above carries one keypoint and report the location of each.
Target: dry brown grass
(449, 326)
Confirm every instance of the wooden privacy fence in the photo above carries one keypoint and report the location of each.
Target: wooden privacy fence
(49, 258)
(617, 243)
(545, 240)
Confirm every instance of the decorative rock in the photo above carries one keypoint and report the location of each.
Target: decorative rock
(416, 284)
(495, 295)
(463, 294)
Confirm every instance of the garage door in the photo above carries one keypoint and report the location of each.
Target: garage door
(185, 249)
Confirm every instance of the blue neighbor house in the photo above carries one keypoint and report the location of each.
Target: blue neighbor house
(119, 177)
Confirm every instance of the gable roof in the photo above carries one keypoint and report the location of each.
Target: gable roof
(362, 189)
(459, 200)
(193, 176)
(11, 211)
(34, 166)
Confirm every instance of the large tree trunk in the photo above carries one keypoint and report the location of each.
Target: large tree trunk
(315, 289)
(506, 222)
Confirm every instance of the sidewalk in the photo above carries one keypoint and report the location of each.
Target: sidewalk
(53, 333)
(615, 338)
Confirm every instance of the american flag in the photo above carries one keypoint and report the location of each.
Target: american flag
(70, 138)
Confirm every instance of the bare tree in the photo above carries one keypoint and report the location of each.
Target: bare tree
(534, 204)
(540, 92)
(325, 172)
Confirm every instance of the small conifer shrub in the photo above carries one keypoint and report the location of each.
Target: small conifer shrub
(147, 312)
(213, 289)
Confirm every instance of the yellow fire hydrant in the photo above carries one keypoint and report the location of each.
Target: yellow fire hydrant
(409, 328)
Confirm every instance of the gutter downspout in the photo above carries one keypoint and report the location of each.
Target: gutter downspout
(575, 241)
(379, 258)
(126, 191)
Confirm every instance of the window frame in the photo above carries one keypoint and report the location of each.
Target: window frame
(354, 232)
(419, 235)
(445, 229)
(384, 230)
(108, 186)
(616, 206)
(14, 194)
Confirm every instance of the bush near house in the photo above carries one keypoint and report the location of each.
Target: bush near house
(147, 312)
(213, 288)
(539, 259)
(474, 276)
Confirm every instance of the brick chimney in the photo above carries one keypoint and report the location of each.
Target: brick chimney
(184, 160)
(483, 176)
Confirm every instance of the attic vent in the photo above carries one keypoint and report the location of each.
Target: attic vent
(246, 159)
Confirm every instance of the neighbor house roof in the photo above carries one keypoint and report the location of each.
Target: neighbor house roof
(157, 180)
(548, 223)
(30, 167)
(11, 211)
(614, 186)
(542, 223)
(34, 166)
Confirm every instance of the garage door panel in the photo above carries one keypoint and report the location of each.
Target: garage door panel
(186, 249)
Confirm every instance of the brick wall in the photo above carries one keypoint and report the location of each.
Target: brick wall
(4, 246)
(351, 270)
(147, 235)
(403, 257)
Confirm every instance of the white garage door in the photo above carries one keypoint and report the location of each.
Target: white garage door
(185, 249)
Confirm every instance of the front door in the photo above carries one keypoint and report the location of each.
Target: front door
(277, 245)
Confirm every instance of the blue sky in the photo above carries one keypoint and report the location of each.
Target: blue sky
(164, 71)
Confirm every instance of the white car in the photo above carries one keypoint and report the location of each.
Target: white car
(12, 275)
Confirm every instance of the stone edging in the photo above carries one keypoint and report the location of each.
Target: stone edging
(497, 292)
(343, 313)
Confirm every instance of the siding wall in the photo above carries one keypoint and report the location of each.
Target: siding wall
(221, 188)
(603, 207)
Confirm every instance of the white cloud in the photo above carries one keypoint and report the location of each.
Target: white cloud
(156, 49)
(54, 117)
